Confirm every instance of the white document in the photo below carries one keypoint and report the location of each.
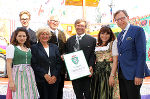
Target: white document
(76, 65)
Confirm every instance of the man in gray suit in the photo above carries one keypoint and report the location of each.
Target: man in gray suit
(25, 18)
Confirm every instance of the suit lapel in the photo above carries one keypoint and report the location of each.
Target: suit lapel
(129, 32)
(51, 50)
(74, 40)
(40, 46)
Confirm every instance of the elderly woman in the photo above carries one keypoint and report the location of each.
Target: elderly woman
(46, 64)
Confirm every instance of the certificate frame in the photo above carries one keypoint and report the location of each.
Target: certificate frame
(76, 65)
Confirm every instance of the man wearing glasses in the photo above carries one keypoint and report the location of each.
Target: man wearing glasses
(25, 18)
(58, 37)
(131, 44)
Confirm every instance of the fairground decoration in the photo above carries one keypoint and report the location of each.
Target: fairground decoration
(144, 22)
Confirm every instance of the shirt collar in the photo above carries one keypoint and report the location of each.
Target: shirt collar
(80, 35)
(127, 27)
(54, 31)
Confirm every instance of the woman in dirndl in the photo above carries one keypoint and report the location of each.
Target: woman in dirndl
(22, 84)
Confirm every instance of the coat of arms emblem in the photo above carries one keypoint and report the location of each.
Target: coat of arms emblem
(75, 59)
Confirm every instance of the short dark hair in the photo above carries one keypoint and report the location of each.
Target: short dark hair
(124, 11)
(15, 42)
(108, 30)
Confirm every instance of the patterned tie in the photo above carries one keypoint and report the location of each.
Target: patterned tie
(77, 45)
(121, 36)
(79, 37)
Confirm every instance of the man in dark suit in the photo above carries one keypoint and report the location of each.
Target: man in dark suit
(58, 37)
(25, 18)
(131, 44)
(87, 43)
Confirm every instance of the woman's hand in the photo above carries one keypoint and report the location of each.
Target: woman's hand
(52, 80)
(111, 81)
(12, 86)
(47, 77)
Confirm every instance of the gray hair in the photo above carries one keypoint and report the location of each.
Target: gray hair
(41, 30)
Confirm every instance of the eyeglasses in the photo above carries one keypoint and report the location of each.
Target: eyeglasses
(120, 19)
(25, 19)
(54, 21)
(44, 34)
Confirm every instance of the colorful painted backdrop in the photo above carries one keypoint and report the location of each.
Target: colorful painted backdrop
(144, 22)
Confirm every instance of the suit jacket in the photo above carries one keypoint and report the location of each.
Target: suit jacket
(40, 61)
(132, 53)
(87, 44)
(61, 41)
(32, 36)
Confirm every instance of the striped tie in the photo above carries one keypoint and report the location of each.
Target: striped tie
(121, 37)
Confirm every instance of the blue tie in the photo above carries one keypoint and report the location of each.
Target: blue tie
(121, 36)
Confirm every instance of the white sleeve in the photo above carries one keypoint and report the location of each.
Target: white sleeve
(114, 48)
(10, 51)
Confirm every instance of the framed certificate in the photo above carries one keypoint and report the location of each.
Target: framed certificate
(76, 65)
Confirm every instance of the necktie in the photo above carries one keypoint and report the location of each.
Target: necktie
(77, 46)
(121, 36)
(79, 37)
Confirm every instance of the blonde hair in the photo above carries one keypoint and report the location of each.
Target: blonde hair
(25, 12)
(41, 30)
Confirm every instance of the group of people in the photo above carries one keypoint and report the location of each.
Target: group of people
(36, 68)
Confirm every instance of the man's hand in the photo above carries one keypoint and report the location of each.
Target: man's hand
(138, 81)
(62, 57)
(91, 70)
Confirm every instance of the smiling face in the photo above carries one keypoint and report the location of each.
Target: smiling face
(80, 28)
(24, 19)
(53, 22)
(121, 20)
(104, 37)
(21, 37)
(44, 37)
